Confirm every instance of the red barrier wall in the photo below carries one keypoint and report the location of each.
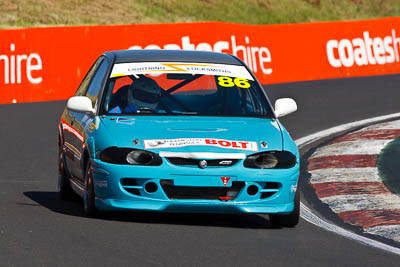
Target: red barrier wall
(41, 64)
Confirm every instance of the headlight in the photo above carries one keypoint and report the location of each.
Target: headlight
(131, 156)
(140, 157)
(271, 160)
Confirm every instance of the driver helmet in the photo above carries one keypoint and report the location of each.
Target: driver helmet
(144, 92)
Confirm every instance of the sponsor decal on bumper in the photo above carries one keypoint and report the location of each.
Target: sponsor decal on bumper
(183, 142)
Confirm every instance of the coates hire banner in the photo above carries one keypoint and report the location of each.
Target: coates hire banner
(42, 64)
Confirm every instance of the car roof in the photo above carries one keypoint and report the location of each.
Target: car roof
(125, 56)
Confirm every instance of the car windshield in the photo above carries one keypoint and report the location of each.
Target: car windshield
(201, 89)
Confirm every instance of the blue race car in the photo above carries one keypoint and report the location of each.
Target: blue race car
(177, 131)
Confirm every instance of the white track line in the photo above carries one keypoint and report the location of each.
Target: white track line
(355, 175)
(309, 216)
(384, 126)
(316, 136)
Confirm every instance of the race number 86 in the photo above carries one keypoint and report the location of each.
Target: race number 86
(229, 82)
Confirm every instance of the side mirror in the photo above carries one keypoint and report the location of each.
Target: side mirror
(80, 104)
(285, 106)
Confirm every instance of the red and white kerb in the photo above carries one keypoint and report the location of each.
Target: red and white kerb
(345, 177)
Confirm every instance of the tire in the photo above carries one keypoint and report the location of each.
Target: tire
(291, 219)
(64, 188)
(89, 205)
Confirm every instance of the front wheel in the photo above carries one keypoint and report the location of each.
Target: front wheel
(291, 219)
(89, 194)
(64, 187)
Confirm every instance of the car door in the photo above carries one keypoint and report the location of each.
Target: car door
(84, 121)
(73, 126)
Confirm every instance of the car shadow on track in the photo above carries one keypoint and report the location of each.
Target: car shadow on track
(73, 207)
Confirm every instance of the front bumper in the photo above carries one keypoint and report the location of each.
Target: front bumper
(256, 190)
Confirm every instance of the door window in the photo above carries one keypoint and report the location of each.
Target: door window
(97, 82)
(83, 86)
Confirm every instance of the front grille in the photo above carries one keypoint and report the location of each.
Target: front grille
(270, 185)
(128, 184)
(195, 162)
(267, 194)
(133, 191)
(192, 192)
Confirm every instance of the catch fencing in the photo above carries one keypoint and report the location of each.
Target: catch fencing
(48, 63)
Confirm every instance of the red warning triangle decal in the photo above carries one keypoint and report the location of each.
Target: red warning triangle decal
(225, 180)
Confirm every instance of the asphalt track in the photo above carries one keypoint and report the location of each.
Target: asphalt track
(37, 229)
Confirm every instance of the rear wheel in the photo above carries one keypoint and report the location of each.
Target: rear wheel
(64, 187)
(89, 194)
(291, 219)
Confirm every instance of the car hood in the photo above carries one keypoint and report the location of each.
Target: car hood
(191, 134)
